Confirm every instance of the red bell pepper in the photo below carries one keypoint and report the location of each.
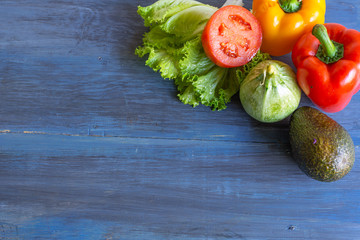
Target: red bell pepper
(328, 65)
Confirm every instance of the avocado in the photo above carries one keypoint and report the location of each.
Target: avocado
(321, 147)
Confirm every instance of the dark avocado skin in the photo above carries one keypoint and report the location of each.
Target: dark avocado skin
(322, 148)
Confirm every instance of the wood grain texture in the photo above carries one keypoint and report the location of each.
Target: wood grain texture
(95, 145)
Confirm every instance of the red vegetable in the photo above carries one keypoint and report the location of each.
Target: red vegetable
(328, 65)
(232, 36)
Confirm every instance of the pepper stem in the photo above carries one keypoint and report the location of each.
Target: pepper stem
(320, 32)
(290, 6)
(329, 51)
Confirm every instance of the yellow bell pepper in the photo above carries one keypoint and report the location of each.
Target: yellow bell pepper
(284, 21)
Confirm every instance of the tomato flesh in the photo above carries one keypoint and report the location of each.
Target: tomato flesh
(232, 36)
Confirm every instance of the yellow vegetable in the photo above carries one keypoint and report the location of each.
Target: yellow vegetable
(285, 21)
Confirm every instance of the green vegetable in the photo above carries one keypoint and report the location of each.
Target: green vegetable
(173, 46)
(270, 93)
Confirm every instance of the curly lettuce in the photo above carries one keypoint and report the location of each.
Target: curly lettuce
(173, 47)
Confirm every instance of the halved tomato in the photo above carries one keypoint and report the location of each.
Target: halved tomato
(232, 36)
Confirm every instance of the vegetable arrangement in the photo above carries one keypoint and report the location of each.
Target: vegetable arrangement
(208, 51)
(211, 54)
(174, 47)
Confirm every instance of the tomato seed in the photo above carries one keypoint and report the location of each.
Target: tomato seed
(229, 49)
(223, 29)
(243, 25)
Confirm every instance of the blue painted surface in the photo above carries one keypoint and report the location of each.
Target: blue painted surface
(95, 145)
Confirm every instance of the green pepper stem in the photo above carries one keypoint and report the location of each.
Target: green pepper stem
(320, 32)
(290, 6)
(329, 51)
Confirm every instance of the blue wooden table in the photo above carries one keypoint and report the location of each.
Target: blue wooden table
(95, 145)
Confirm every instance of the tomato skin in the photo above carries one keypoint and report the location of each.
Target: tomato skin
(232, 36)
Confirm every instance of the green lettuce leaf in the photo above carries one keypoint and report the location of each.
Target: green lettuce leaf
(173, 46)
(161, 10)
(189, 22)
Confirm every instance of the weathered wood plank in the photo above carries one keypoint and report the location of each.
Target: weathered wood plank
(168, 189)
